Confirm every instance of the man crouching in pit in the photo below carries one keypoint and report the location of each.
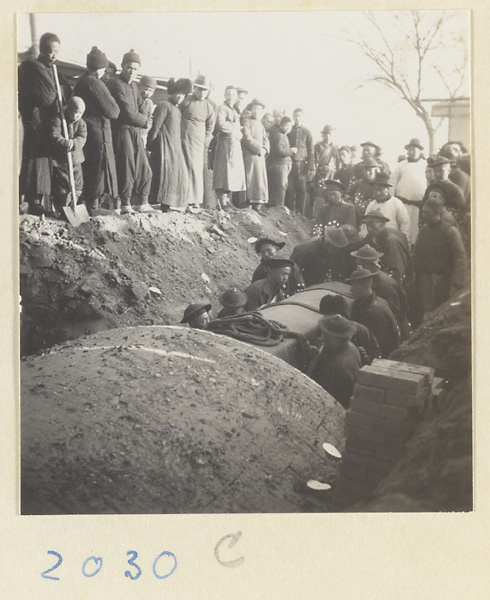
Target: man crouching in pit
(336, 366)
(271, 289)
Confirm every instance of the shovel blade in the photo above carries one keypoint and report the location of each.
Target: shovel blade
(71, 216)
(82, 213)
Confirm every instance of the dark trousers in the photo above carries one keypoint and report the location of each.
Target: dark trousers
(296, 192)
(277, 175)
(133, 168)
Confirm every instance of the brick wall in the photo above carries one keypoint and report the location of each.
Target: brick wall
(388, 399)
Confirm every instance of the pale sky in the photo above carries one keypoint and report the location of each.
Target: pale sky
(287, 59)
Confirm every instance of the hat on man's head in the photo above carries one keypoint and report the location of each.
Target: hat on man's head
(438, 187)
(332, 184)
(415, 142)
(381, 179)
(367, 252)
(181, 86)
(431, 159)
(336, 237)
(96, 59)
(333, 304)
(337, 326)
(255, 102)
(112, 66)
(260, 242)
(361, 273)
(370, 162)
(376, 215)
(441, 160)
(131, 56)
(195, 310)
(233, 298)
(202, 81)
(241, 90)
(148, 81)
(369, 143)
(277, 263)
(327, 129)
(76, 103)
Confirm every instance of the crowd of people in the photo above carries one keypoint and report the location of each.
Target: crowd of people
(400, 238)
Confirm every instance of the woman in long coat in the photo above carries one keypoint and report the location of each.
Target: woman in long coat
(197, 125)
(99, 170)
(228, 169)
(255, 144)
(170, 182)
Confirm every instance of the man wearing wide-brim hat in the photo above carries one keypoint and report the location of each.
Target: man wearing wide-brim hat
(390, 206)
(370, 150)
(361, 191)
(455, 198)
(196, 315)
(336, 366)
(268, 248)
(233, 302)
(329, 209)
(372, 311)
(197, 125)
(321, 258)
(397, 260)
(384, 285)
(409, 183)
(271, 289)
(326, 155)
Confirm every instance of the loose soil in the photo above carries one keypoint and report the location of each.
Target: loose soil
(75, 281)
(172, 420)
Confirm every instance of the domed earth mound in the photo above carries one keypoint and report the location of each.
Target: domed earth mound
(172, 420)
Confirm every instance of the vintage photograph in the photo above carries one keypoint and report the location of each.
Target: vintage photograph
(245, 247)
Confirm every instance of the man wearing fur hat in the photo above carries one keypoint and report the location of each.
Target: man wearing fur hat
(198, 119)
(322, 258)
(336, 366)
(133, 168)
(99, 167)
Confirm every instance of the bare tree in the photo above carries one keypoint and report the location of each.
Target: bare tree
(416, 54)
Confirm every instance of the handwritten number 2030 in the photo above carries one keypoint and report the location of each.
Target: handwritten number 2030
(93, 565)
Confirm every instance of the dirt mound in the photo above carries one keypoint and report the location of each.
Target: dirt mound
(96, 277)
(436, 471)
(172, 420)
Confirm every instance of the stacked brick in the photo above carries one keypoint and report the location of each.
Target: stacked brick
(388, 399)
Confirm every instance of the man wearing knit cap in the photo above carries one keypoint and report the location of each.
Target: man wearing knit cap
(37, 105)
(321, 258)
(99, 168)
(133, 168)
(373, 312)
(146, 86)
(336, 366)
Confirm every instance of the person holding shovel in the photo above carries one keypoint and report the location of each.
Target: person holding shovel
(77, 136)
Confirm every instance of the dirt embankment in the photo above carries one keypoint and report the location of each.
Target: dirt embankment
(96, 277)
(436, 472)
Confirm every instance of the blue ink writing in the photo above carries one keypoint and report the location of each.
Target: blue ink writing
(45, 573)
(97, 560)
(166, 553)
(133, 564)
